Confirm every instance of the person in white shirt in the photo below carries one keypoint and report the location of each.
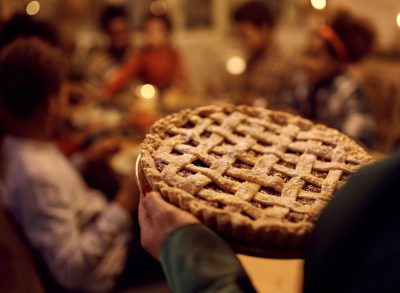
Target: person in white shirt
(80, 236)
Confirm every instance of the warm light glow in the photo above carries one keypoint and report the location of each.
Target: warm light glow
(398, 19)
(158, 7)
(32, 8)
(146, 91)
(236, 65)
(318, 4)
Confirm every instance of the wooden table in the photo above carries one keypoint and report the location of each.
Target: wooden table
(274, 275)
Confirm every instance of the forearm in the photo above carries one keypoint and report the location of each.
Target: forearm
(121, 78)
(96, 253)
(195, 259)
(75, 255)
(117, 82)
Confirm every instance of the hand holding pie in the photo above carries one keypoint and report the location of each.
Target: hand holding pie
(158, 219)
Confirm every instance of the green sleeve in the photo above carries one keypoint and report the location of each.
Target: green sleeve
(195, 259)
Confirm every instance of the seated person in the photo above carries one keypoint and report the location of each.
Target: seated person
(157, 63)
(267, 70)
(329, 94)
(81, 237)
(104, 61)
(354, 246)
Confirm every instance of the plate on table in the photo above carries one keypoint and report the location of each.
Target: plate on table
(123, 162)
(86, 116)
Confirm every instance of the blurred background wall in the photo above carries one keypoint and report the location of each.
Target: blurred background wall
(203, 31)
(203, 27)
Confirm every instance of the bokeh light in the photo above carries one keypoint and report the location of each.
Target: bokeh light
(33, 8)
(236, 65)
(146, 91)
(318, 4)
(398, 19)
(158, 7)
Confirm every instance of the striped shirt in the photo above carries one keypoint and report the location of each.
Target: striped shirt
(80, 236)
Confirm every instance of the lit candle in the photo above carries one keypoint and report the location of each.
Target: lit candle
(147, 95)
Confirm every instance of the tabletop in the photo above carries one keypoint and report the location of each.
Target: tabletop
(274, 275)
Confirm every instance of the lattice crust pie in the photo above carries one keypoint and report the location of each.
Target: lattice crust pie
(255, 175)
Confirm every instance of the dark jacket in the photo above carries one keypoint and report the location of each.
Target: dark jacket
(355, 246)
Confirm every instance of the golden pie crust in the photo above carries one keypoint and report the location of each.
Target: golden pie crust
(254, 175)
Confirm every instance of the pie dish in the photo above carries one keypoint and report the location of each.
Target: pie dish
(253, 175)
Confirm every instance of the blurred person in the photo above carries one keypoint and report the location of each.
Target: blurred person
(56, 34)
(79, 235)
(327, 93)
(158, 63)
(104, 61)
(23, 25)
(1, 132)
(267, 71)
(354, 246)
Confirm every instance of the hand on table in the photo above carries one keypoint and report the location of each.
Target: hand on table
(157, 219)
(102, 149)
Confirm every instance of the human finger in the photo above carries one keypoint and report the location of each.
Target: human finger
(143, 215)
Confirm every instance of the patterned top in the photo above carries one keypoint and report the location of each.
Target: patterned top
(268, 73)
(81, 238)
(338, 103)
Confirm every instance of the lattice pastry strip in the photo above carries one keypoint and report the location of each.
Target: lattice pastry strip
(249, 170)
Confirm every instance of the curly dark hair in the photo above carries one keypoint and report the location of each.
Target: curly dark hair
(31, 71)
(256, 13)
(357, 35)
(111, 12)
(22, 25)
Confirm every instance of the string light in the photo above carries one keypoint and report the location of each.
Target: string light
(158, 7)
(318, 4)
(33, 8)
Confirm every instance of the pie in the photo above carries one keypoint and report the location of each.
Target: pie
(253, 175)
